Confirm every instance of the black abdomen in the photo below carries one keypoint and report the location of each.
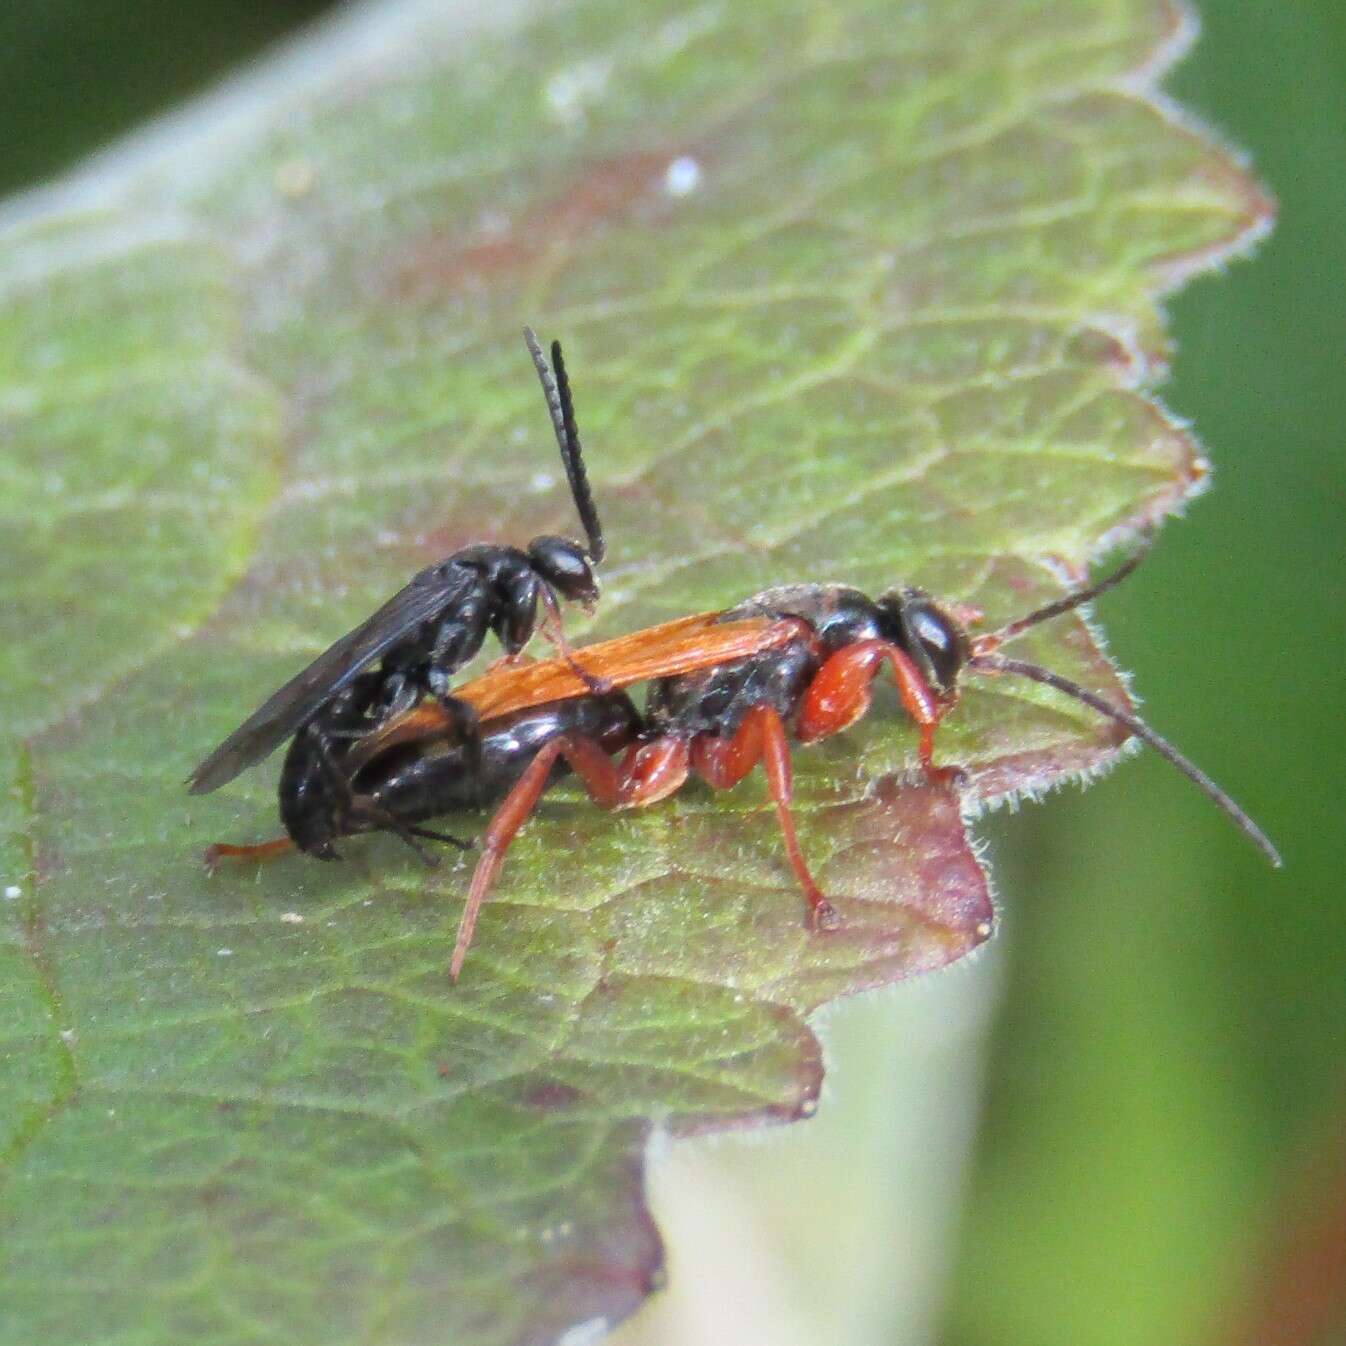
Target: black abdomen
(425, 780)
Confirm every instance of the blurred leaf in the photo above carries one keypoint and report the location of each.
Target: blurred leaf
(848, 292)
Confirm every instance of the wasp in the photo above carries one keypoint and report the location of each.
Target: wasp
(429, 629)
(345, 777)
(802, 670)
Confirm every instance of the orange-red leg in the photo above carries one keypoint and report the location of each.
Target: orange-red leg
(648, 773)
(840, 694)
(263, 850)
(723, 762)
(653, 771)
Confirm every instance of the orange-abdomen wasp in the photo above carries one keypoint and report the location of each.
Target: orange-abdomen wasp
(803, 670)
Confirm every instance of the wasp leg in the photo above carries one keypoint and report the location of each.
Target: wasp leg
(366, 809)
(653, 771)
(465, 721)
(262, 850)
(555, 631)
(723, 762)
(446, 837)
(399, 694)
(596, 772)
(840, 694)
(648, 773)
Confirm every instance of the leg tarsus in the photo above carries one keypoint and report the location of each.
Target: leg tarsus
(261, 851)
(951, 775)
(446, 837)
(428, 858)
(824, 918)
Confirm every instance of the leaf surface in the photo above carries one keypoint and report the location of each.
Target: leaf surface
(848, 293)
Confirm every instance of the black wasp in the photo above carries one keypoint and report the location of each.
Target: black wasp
(428, 630)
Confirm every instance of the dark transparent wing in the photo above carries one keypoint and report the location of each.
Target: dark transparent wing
(432, 591)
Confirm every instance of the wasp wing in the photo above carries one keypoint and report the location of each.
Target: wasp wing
(664, 651)
(435, 590)
(676, 647)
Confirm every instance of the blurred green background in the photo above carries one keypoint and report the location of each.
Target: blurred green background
(1164, 1098)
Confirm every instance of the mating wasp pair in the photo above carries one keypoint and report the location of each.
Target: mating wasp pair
(381, 740)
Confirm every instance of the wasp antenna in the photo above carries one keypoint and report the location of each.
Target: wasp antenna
(993, 663)
(556, 389)
(574, 461)
(1072, 600)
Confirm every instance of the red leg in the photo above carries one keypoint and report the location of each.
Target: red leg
(600, 777)
(780, 781)
(840, 694)
(263, 850)
(653, 771)
(722, 763)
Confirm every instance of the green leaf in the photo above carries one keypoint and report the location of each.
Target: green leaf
(848, 293)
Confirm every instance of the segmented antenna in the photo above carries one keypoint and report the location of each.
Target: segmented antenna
(994, 663)
(993, 639)
(556, 389)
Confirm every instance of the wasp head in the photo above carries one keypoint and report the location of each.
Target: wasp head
(566, 566)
